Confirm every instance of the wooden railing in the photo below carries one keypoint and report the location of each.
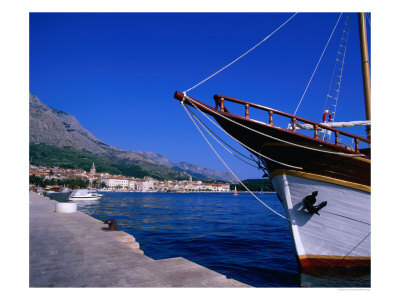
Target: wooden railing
(220, 102)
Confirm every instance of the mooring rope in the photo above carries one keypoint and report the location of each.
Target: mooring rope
(216, 153)
(241, 56)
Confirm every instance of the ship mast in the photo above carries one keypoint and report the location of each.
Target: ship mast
(365, 69)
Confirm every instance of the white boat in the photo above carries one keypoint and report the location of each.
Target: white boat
(84, 194)
(64, 190)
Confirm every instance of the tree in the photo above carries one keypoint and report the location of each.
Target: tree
(36, 180)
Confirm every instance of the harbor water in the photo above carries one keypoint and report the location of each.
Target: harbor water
(235, 236)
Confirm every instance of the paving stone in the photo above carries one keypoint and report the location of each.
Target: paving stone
(73, 250)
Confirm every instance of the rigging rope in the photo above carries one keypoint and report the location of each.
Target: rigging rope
(241, 56)
(312, 76)
(190, 114)
(335, 83)
(216, 153)
(368, 19)
(183, 105)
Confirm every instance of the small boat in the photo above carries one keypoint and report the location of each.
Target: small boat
(261, 192)
(58, 191)
(236, 193)
(84, 194)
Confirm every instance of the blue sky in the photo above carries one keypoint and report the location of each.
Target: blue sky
(117, 72)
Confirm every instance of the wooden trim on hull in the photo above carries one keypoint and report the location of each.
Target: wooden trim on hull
(316, 177)
(283, 148)
(307, 261)
(250, 122)
(326, 164)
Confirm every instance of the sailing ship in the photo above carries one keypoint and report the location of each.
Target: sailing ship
(323, 185)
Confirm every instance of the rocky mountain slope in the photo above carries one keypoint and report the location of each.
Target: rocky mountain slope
(56, 128)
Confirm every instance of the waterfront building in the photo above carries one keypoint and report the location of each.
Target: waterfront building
(114, 181)
(132, 185)
(145, 184)
(79, 172)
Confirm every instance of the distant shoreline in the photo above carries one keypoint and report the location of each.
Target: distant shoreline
(241, 192)
(189, 192)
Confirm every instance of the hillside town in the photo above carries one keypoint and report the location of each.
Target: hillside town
(108, 182)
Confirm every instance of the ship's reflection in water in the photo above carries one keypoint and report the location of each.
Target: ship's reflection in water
(235, 236)
(336, 277)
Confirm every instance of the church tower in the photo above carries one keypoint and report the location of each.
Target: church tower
(93, 170)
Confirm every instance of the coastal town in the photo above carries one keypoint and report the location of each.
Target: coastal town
(108, 182)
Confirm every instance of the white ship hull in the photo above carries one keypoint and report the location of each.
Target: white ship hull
(84, 194)
(340, 235)
(85, 198)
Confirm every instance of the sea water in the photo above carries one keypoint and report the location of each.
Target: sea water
(235, 236)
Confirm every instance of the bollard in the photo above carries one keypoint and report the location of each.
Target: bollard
(112, 225)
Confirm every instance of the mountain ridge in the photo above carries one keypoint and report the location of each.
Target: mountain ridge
(54, 127)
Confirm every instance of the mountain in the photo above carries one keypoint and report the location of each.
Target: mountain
(54, 127)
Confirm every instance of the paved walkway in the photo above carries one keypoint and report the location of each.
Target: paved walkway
(73, 250)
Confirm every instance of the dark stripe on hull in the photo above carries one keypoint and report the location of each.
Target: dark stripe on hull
(321, 261)
(352, 169)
